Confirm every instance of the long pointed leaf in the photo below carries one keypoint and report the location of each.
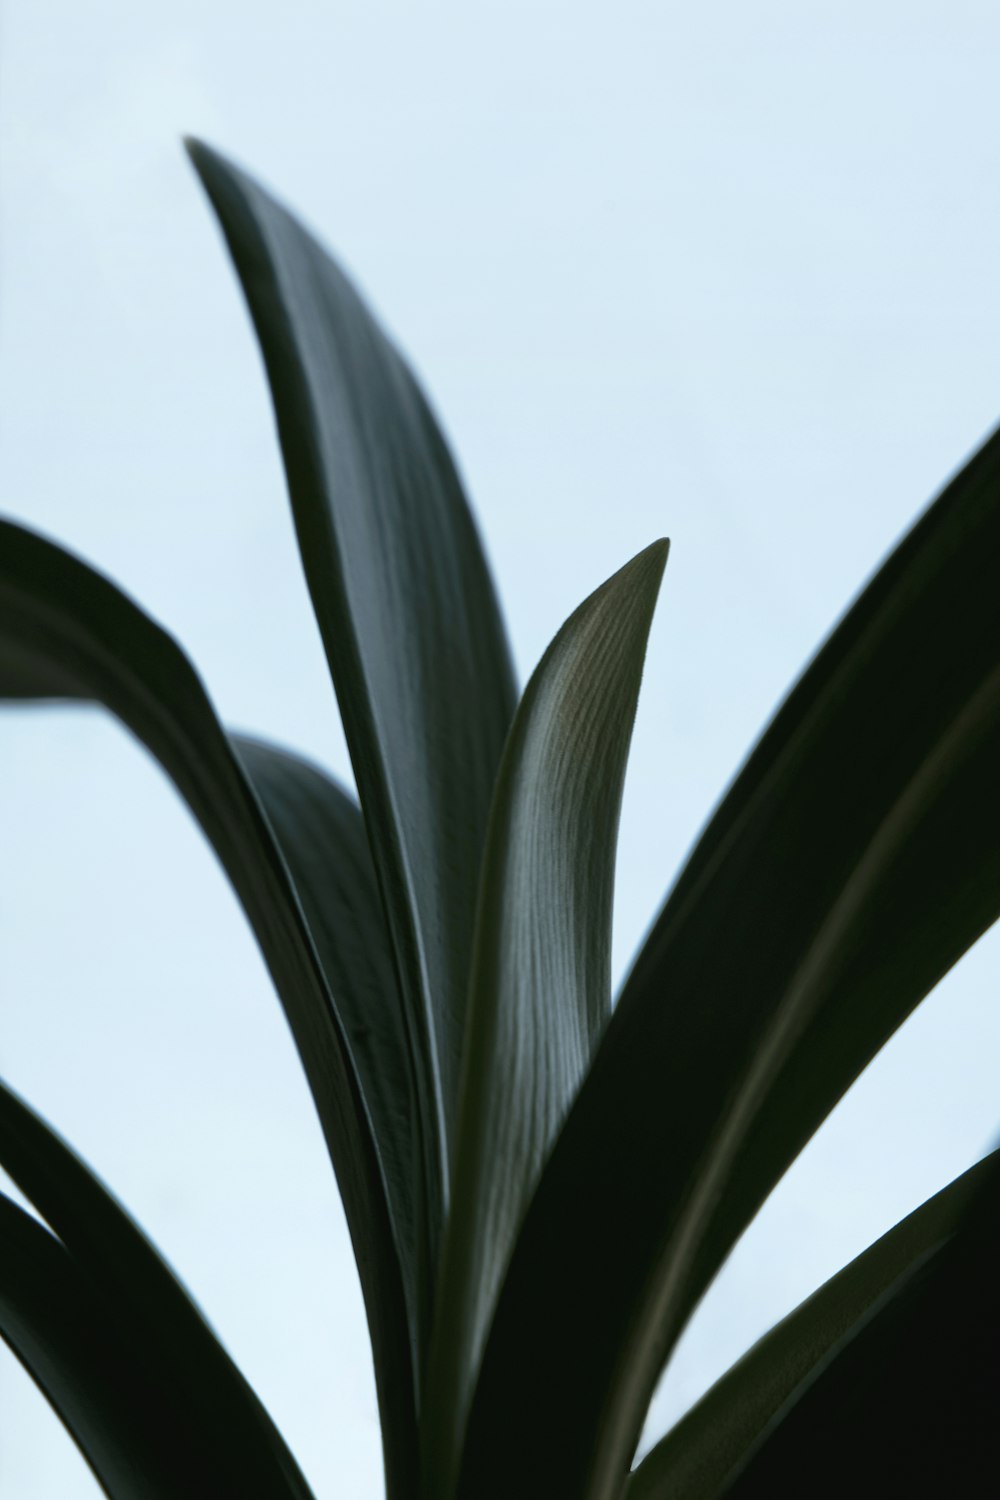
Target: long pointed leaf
(852, 863)
(66, 632)
(694, 1458)
(906, 1402)
(540, 992)
(321, 833)
(126, 1286)
(406, 609)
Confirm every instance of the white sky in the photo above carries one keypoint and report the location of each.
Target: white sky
(726, 272)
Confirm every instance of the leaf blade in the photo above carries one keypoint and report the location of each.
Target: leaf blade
(406, 610)
(66, 632)
(908, 1396)
(540, 990)
(123, 1280)
(772, 976)
(320, 831)
(693, 1460)
(59, 1331)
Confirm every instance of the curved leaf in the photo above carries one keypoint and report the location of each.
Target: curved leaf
(540, 992)
(694, 1458)
(406, 609)
(321, 833)
(67, 1314)
(66, 632)
(854, 860)
(905, 1403)
(119, 1417)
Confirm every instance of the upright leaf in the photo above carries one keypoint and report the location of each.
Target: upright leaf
(66, 632)
(540, 992)
(720, 1431)
(113, 1338)
(406, 609)
(856, 857)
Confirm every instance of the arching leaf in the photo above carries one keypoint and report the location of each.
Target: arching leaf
(113, 1338)
(66, 632)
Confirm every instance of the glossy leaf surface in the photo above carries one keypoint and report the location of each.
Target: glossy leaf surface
(66, 632)
(540, 992)
(320, 831)
(407, 612)
(62, 1333)
(78, 1319)
(854, 860)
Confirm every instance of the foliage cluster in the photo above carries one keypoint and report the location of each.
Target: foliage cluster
(539, 1186)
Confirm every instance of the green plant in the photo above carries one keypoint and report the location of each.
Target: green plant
(538, 1189)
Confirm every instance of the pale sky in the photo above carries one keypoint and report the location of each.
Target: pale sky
(722, 272)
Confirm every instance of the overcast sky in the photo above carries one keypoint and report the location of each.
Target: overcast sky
(723, 272)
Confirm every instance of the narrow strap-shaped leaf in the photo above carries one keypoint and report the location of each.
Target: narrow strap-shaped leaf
(540, 991)
(62, 1332)
(66, 632)
(906, 1401)
(406, 609)
(321, 833)
(852, 863)
(119, 1287)
(694, 1458)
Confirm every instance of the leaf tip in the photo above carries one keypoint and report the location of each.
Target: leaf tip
(212, 167)
(647, 566)
(660, 550)
(194, 147)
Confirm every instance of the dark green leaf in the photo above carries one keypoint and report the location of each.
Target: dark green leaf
(540, 994)
(65, 1336)
(692, 1461)
(66, 632)
(855, 859)
(407, 613)
(69, 1314)
(906, 1402)
(321, 833)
